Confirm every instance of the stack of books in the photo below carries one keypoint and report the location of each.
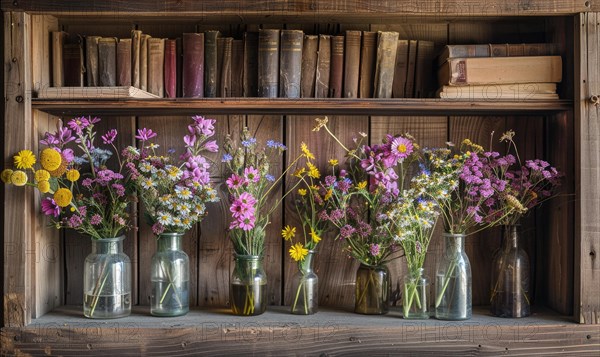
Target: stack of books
(499, 71)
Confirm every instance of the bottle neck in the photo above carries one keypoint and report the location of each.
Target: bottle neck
(108, 245)
(455, 243)
(305, 265)
(511, 237)
(248, 261)
(169, 241)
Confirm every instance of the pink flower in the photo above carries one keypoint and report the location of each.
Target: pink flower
(145, 134)
(247, 223)
(96, 220)
(374, 249)
(75, 221)
(211, 146)
(243, 206)
(109, 137)
(189, 140)
(251, 174)
(401, 147)
(50, 208)
(234, 181)
(204, 126)
(157, 228)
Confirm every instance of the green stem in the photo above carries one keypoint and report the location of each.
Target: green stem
(97, 291)
(447, 276)
(171, 284)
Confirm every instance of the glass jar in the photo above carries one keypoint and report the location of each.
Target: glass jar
(248, 288)
(107, 280)
(170, 277)
(510, 277)
(453, 300)
(416, 295)
(305, 292)
(372, 295)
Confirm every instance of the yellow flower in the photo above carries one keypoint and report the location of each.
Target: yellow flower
(299, 172)
(43, 186)
(362, 185)
(288, 232)
(315, 237)
(6, 173)
(313, 171)
(302, 192)
(306, 152)
(63, 197)
(24, 159)
(72, 175)
(314, 188)
(18, 178)
(333, 162)
(42, 175)
(298, 252)
(50, 159)
(328, 194)
(62, 168)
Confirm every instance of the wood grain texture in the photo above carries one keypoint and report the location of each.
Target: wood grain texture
(17, 221)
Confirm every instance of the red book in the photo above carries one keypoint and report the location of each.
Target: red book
(170, 68)
(193, 65)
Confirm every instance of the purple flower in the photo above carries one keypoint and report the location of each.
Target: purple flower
(323, 216)
(374, 249)
(249, 142)
(211, 146)
(270, 177)
(347, 231)
(145, 134)
(234, 181)
(49, 140)
(67, 154)
(87, 182)
(82, 211)
(364, 229)
(96, 220)
(75, 221)
(109, 137)
(78, 124)
(119, 189)
(204, 126)
(243, 206)
(226, 158)
(336, 215)
(330, 180)
(50, 208)
(157, 228)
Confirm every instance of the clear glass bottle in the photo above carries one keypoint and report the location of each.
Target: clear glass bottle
(416, 295)
(372, 295)
(453, 299)
(107, 280)
(305, 287)
(510, 277)
(170, 277)
(248, 287)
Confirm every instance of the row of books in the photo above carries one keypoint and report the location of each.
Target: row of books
(268, 63)
(499, 71)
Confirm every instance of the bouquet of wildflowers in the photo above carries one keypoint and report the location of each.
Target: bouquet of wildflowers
(174, 190)
(78, 190)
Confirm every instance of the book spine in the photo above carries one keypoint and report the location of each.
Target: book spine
(58, 78)
(193, 65)
(498, 50)
(323, 67)
(268, 63)
(144, 61)
(250, 64)
(368, 55)
(170, 69)
(409, 89)
(179, 67)
(387, 45)
(91, 60)
(351, 64)
(290, 64)
(210, 63)
(124, 62)
(156, 62)
(309, 66)
(336, 74)
(224, 82)
(424, 86)
(237, 68)
(73, 62)
(136, 38)
(400, 69)
(107, 62)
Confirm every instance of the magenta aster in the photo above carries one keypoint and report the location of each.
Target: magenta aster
(401, 147)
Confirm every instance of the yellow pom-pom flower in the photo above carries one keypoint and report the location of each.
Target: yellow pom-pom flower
(18, 178)
(50, 159)
(63, 197)
(42, 175)
(43, 186)
(6, 173)
(72, 175)
(298, 252)
(24, 159)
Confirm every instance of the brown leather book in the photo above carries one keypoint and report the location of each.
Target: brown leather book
(193, 65)
(156, 63)
(58, 78)
(124, 62)
(91, 60)
(224, 66)
(498, 50)
(424, 85)
(309, 66)
(290, 63)
(107, 62)
(73, 62)
(323, 67)
(237, 68)
(170, 68)
(400, 69)
(136, 41)
(368, 55)
(179, 64)
(250, 86)
(211, 73)
(336, 74)
(387, 44)
(268, 63)
(351, 64)
(409, 89)
(144, 61)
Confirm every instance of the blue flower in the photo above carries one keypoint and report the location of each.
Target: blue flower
(226, 158)
(249, 142)
(269, 177)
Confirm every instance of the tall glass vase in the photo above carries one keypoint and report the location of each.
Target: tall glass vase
(305, 287)
(415, 300)
(372, 290)
(510, 277)
(248, 288)
(107, 280)
(453, 300)
(170, 277)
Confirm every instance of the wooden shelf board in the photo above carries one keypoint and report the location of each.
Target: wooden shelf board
(212, 331)
(396, 107)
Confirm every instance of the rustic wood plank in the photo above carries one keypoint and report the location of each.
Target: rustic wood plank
(17, 218)
(47, 267)
(587, 164)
